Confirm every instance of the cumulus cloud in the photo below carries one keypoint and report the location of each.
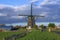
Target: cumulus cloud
(3, 6)
(48, 8)
(22, 7)
(43, 14)
(33, 1)
(14, 10)
(45, 2)
(55, 17)
(17, 17)
(3, 14)
(52, 8)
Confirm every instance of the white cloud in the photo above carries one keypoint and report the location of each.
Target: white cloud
(22, 7)
(17, 17)
(33, 1)
(55, 17)
(50, 2)
(43, 14)
(16, 8)
(3, 14)
(3, 6)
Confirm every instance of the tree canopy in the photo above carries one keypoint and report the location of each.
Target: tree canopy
(52, 25)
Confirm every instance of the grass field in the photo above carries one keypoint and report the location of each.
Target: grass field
(34, 35)
(7, 34)
(37, 35)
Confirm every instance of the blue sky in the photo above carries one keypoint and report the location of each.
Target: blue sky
(17, 2)
(10, 9)
(13, 2)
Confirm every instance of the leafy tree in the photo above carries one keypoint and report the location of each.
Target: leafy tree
(51, 27)
(42, 26)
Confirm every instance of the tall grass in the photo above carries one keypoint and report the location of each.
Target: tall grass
(34, 35)
(10, 33)
(37, 35)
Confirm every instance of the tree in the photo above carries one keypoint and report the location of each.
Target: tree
(42, 26)
(51, 26)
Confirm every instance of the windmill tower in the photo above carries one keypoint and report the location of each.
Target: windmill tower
(31, 19)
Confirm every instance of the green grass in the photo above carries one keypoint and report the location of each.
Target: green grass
(7, 34)
(34, 35)
(37, 35)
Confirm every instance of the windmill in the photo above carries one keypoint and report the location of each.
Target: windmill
(31, 18)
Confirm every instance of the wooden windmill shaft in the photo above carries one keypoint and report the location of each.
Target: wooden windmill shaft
(31, 18)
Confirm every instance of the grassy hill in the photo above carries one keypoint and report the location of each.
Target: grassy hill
(38, 35)
(10, 33)
(34, 35)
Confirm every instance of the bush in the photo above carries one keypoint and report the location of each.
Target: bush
(35, 26)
